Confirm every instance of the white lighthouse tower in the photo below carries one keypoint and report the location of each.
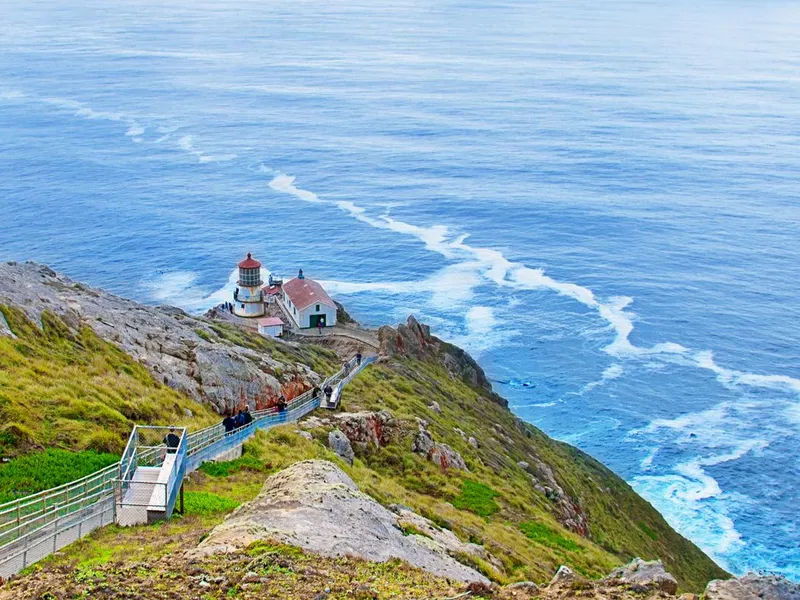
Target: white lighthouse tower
(248, 299)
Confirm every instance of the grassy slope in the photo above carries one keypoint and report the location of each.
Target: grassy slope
(494, 504)
(75, 395)
(88, 393)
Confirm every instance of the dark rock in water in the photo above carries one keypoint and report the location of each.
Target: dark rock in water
(753, 587)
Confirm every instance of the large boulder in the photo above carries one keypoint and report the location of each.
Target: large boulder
(436, 452)
(646, 573)
(753, 587)
(338, 442)
(315, 505)
(368, 429)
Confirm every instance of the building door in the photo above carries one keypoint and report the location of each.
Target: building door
(316, 320)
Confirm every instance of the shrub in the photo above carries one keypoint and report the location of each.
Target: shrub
(477, 498)
(206, 503)
(542, 534)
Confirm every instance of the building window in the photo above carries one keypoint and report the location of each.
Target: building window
(317, 307)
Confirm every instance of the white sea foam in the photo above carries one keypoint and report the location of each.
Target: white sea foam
(480, 264)
(613, 372)
(180, 289)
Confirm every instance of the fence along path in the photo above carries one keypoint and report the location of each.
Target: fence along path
(38, 525)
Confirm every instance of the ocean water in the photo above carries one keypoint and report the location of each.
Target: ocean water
(600, 200)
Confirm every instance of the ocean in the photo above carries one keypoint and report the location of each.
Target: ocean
(599, 200)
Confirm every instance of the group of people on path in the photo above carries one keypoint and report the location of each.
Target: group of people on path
(233, 422)
(228, 306)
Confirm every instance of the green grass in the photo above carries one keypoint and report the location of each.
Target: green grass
(478, 498)
(247, 462)
(43, 470)
(207, 503)
(542, 534)
(72, 390)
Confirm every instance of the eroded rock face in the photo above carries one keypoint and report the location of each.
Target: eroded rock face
(753, 587)
(567, 510)
(315, 505)
(338, 442)
(368, 429)
(164, 339)
(646, 573)
(436, 452)
(414, 339)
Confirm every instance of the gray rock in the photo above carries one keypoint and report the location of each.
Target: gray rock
(646, 573)
(473, 442)
(753, 587)
(563, 574)
(438, 453)
(365, 429)
(338, 442)
(4, 328)
(523, 586)
(306, 435)
(163, 339)
(523, 465)
(315, 505)
(434, 406)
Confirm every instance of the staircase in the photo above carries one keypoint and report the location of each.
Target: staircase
(142, 488)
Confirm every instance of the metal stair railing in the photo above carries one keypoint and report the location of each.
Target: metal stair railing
(38, 525)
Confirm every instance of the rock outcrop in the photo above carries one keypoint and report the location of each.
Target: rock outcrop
(753, 587)
(414, 339)
(646, 573)
(368, 429)
(178, 349)
(340, 444)
(437, 452)
(315, 505)
(567, 510)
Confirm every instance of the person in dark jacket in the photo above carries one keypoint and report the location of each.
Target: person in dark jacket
(229, 424)
(358, 358)
(281, 405)
(248, 418)
(172, 441)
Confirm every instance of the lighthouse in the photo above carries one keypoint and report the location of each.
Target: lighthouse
(248, 299)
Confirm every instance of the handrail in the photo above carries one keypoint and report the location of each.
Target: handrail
(68, 499)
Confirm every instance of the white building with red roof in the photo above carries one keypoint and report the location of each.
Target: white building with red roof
(307, 303)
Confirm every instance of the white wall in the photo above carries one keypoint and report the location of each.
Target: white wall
(305, 315)
(272, 331)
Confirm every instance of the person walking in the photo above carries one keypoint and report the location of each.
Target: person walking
(358, 358)
(229, 423)
(248, 418)
(319, 327)
(328, 393)
(172, 441)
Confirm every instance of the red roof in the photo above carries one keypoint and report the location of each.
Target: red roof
(305, 292)
(272, 290)
(249, 263)
(270, 322)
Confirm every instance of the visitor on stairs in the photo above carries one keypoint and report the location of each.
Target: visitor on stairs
(172, 441)
(229, 424)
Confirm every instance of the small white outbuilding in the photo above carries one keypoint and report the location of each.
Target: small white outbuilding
(308, 304)
(270, 327)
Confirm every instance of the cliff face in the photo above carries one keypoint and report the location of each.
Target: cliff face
(211, 363)
(421, 430)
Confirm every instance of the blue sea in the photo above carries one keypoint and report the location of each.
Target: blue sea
(599, 200)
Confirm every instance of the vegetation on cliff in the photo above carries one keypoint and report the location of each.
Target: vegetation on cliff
(445, 446)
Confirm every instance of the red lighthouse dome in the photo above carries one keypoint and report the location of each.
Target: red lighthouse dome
(249, 263)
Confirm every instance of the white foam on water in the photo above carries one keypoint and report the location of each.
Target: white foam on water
(613, 372)
(135, 130)
(180, 289)
(479, 264)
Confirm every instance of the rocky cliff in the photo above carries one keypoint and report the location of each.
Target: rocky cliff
(212, 363)
(431, 463)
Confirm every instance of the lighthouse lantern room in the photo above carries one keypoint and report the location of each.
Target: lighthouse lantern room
(248, 299)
